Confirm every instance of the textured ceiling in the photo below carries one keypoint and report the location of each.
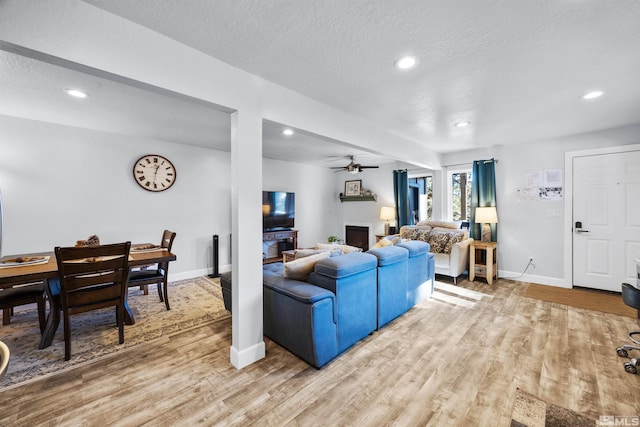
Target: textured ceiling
(515, 68)
(35, 89)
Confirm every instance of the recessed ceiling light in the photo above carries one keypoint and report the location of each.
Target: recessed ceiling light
(406, 62)
(287, 132)
(593, 95)
(462, 124)
(76, 93)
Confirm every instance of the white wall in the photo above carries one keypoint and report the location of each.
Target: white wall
(315, 201)
(380, 182)
(79, 183)
(61, 184)
(528, 227)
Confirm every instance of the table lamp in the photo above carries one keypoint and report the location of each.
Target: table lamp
(486, 216)
(387, 213)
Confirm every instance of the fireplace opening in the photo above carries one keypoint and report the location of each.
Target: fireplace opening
(357, 236)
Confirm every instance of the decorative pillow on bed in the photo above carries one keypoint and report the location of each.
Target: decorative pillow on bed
(301, 268)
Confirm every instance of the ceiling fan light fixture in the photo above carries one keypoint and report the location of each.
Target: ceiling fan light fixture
(406, 62)
(353, 167)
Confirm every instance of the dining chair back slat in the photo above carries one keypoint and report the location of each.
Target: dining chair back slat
(158, 275)
(92, 278)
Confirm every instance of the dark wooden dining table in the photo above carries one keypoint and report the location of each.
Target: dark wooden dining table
(19, 275)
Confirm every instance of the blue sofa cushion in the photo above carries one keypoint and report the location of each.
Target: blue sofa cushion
(273, 268)
(301, 291)
(389, 255)
(346, 265)
(415, 247)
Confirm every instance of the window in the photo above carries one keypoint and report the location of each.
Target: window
(460, 182)
(421, 198)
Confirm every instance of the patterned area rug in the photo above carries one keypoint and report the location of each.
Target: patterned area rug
(194, 302)
(529, 411)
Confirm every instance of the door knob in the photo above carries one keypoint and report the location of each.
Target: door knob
(579, 227)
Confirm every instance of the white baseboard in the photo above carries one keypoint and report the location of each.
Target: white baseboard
(541, 280)
(246, 357)
(174, 277)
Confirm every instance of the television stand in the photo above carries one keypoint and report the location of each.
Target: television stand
(276, 242)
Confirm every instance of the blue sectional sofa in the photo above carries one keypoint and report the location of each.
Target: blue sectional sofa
(334, 310)
(300, 317)
(421, 274)
(392, 282)
(352, 278)
(344, 299)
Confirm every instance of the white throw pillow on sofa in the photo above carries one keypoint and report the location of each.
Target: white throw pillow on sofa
(303, 253)
(301, 268)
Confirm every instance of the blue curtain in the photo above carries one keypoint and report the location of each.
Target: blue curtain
(483, 194)
(401, 197)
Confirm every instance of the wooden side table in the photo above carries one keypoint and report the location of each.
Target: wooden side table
(483, 260)
(288, 256)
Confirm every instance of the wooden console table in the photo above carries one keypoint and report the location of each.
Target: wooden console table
(483, 260)
(285, 239)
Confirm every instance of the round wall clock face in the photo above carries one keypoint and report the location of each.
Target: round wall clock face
(154, 173)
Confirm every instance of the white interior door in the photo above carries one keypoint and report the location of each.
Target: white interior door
(606, 219)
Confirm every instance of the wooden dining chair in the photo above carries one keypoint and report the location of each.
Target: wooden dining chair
(157, 274)
(22, 295)
(92, 277)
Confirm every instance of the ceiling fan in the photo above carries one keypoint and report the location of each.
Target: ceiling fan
(353, 167)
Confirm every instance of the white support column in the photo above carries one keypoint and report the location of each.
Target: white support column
(246, 224)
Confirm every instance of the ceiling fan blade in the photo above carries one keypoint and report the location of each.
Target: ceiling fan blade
(368, 167)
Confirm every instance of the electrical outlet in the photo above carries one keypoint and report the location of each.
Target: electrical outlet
(532, 261)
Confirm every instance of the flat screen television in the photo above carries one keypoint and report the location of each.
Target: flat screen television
(278, 210)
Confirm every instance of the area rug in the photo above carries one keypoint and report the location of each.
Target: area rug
(592, 299)
(194, 302)
(529, 411)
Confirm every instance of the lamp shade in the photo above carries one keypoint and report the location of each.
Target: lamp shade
(387, 213)
(487, 215)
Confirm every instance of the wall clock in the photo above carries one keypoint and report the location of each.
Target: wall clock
(154, 173)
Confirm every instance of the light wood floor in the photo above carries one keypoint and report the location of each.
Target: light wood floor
(455, 360)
